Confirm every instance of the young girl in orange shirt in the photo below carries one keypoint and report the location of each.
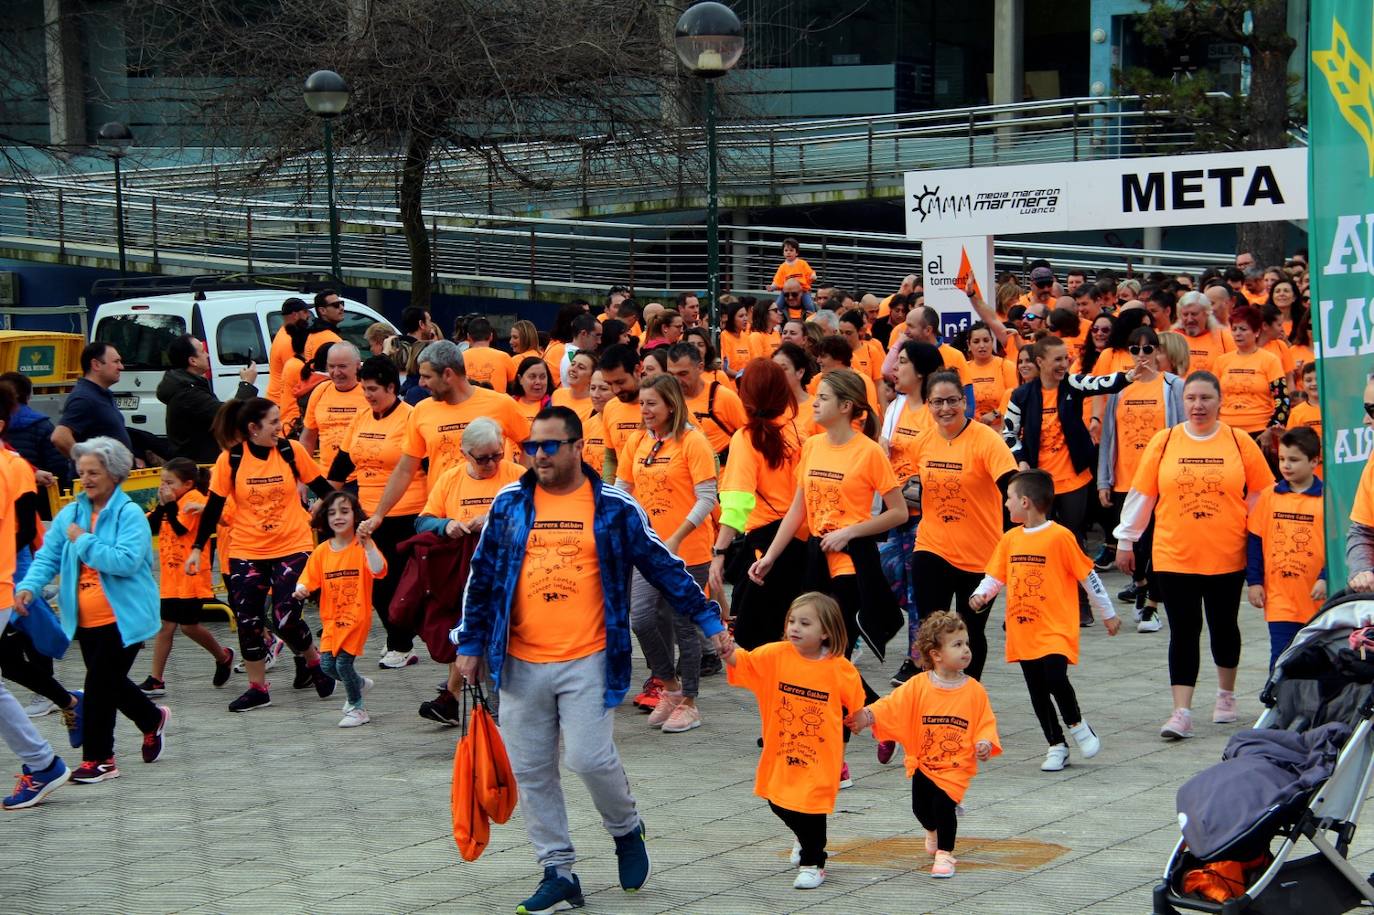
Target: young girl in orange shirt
(803, 685)
(944, 721)
(174, 522)
(342, 569)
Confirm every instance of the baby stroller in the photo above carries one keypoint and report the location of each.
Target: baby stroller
(1322, 694)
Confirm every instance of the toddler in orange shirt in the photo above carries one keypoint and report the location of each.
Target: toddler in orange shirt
(1041, 565)
(944, 722)
(804, 685)
(342, 569)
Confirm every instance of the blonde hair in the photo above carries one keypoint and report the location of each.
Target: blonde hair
(659, 321)
(830, 617)
(528, 335)
(932, 634)
(1175, 346)
(668, 387)
(846, 384)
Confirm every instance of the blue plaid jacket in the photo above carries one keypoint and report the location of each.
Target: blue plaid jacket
(624, 541)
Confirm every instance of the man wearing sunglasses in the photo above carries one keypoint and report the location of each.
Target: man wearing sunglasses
(1042, 288)
(547, 608)
(329, 313)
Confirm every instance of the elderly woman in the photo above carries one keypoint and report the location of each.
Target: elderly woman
(103, 549)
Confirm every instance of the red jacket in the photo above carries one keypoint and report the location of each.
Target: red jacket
(429, 594)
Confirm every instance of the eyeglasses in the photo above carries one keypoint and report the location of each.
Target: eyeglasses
(653, 452)
(938, 402)
(489, 458)
(775, 309)
(1369, 410)
(1141, 350)
(548, 446)
(1102, 330)
(791, 295)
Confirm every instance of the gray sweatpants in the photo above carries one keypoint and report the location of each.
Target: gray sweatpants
(540, 702)
(17, 730)
(657, 627)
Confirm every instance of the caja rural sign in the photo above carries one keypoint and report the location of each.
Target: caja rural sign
(1108, 194)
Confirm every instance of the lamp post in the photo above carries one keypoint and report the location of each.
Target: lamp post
(114, 140)
(709, 41)
(326, 95)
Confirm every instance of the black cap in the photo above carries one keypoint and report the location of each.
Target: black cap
(291, 306)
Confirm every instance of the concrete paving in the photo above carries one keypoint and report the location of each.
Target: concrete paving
(281, 811)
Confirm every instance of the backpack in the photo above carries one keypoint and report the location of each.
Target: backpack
(724, 454)
(284, 448)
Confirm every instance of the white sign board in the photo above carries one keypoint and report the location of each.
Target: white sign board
(1190, 190)
(942, 261)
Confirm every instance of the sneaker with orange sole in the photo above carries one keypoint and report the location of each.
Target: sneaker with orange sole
(647, 700)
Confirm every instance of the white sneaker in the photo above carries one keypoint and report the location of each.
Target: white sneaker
(274, 651)
(367, 685)
(395, 660)
(39, 706)
(1055, 759)
(1150, 623)
(795, 857)
(808, 878)
(354, 717)
(1088, 742)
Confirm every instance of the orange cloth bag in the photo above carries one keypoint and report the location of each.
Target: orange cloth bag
(495, 782)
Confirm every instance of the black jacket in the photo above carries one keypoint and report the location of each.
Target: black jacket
(1025, 414)
(191, 408)
(30, 433)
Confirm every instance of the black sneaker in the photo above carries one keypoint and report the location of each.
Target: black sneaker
(1128, 593)
(1105, 560)
(153, 687)
(554, 894)
(710, 665)
(324, 684)
(253, 698)
(905, 672)
(632, 859)
(443, 709)
(224, 668)
(302, 678)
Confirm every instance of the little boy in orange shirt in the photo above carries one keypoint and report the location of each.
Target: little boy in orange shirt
(1041, 565)
(793, 267)
(945, 724)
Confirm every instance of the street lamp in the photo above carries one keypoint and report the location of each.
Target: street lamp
(709, 41)
(114, 140)
(326, 94)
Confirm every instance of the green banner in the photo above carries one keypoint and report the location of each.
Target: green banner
(1341, 243)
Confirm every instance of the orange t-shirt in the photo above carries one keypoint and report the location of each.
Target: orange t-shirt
(1201, 486)
(553, 358)
(1290, 524)
(1302, 355)
(489, 366)
(528, 410)
(912, 425)
(10, 491)
(961, 505)
(619, 422)
(1112, 360)
(798, 270)
(1054, 450)
(1284, 352)
(990, 382)
(457, 496)
(1139, 415)
(277, 355)
(1246, 402)
(729, 415)
(558, 611)
(735, 350)
(1306, 414)
(955, 362)
(802, 707)
(266, 518)
(870, 391)
(664, 474)
(329, 412)
(286, 397)
(747, 471)
(1362, 512)
(1204, 350)
(435, 428)
(92, 606)
(345, 585)
(861, 361)
(594, 442)
(172, 550)
(375, 447)
(1041, 569)
(838, 485)
(939, 729)
(763, 345)
(582, 407)
(317, 339)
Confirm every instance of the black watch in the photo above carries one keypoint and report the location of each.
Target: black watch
(717, 551)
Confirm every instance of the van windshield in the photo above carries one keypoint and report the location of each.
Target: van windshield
(142, 339)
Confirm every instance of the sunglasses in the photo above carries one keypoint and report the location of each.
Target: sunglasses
(653, 452)
(1032, 316)
(1043, 284)
(548, 446)
(791, 295)
(1369, 410)
(488, 458)
(1141, 350)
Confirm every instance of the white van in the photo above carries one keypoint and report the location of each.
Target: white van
(236, 316)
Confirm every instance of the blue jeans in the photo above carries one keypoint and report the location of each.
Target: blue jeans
(340, 667)
(1280, 637)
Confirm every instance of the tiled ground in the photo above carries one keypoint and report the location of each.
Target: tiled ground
(280, 811)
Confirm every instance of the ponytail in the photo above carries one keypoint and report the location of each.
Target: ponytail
(188, 471)
(846, 384)
(231, 423)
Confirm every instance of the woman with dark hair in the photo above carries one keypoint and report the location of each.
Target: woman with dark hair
(992, 376)
(1283, 295)
(270, 539)
(655, 362)
(1254, 394)
(700, 337)
(530, 389)
(1304, 353)
(1131, 417)
(614, 331)
(1274, 338)
(766, 322)
(561, 335)
(797, 369)
(576, 394)
(756, 489)
(1096, 345)
(735, 348)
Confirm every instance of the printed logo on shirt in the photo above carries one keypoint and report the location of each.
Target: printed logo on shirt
(944, 740)
(550, 559)
(1027, 587)
(1199, 485)
(942, 491)
(798, 720)
(267, 500)
(823, 499)
(1291, 544)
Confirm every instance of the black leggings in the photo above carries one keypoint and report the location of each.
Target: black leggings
(809, 828)
(1144, 548)
(391, 532)
(1187, 598)
(935, 810)
(27, 666)
(109, 689)
(251, 583)
(1047, 680)
(1071, 510)
(937, 584)
(845, 590)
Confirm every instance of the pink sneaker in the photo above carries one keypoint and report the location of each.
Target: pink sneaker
(683, 718)
(944, 865)
(1224, 712)
(667, 703)
(1179, 725)
(931, 847)
(885, 750)
(845, 780)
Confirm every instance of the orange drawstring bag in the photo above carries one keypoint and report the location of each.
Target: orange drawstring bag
(1222, 880)
(495, 781)
(471, 829)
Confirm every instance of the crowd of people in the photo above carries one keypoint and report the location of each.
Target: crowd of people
(830, 470)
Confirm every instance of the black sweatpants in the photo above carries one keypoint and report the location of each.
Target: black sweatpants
(937, 585)
(1187, 598)
(935, 810)
(1047, 680)
(24, 664)
(845, 590)
(809, 828)
(109, 689)
(388, 534)
(1071, 510)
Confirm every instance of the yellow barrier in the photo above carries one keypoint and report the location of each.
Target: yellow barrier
(44, 358)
